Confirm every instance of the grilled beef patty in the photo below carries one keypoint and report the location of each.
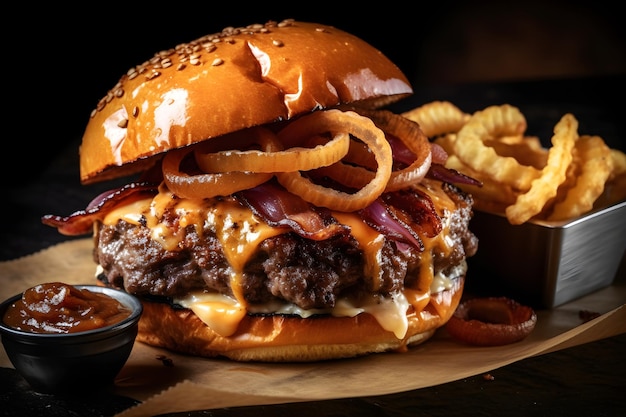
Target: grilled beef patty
(310, 274)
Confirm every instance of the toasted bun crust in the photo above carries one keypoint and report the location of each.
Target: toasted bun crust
(277, 338)
(228, 81)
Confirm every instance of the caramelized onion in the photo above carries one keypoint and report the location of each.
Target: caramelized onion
(280, 208)
(492, 321)
(337, 121)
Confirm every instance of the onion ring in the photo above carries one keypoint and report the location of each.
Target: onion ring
(208, 185)
(413, 138)
(205, 185)
(401, 128)
(274, 158)
(492, 321)
(338, 121)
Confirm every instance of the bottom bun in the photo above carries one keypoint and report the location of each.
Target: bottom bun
(281, 338)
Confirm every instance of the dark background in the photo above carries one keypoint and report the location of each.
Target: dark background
(61, 60)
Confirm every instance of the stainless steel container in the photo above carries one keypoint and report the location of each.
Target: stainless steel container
(546, 264)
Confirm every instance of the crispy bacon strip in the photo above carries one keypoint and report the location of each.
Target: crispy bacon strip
(400, 215)
(378, 216)
(81, 222)
(404, 216)
(416, 210)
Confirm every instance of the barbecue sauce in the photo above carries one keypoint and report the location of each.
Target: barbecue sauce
(61, 308)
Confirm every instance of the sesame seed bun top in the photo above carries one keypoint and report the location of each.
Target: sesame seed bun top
(228, 81)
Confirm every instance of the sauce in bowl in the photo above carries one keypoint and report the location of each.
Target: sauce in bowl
(61, 308)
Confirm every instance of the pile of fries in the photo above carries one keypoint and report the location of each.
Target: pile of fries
(521, 178)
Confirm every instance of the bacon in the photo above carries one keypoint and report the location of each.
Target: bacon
(279, 208)
(378, 216)
(415, 209)
(404, 216)
(81, 222)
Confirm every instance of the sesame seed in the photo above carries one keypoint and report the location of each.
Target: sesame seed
(189, 53)
(152, 75)
(123, 123)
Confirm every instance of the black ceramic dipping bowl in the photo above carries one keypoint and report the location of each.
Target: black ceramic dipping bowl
(54, 363)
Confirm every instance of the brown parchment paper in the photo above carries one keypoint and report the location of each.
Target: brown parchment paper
(183, 383)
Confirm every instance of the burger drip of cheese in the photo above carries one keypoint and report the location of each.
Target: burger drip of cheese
(273, 210)
(240, 233)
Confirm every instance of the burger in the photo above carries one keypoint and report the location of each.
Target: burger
(272, 209)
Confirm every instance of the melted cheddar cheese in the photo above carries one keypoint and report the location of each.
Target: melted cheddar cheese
(240, 232)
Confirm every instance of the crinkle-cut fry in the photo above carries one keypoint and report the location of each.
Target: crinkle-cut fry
(490, 123)
(511, 139)
(553, 174)
(527, 150)
(437, 118)
(619, 163)
(571, 174)
(596, 166)
(531, 142)
(491, 194)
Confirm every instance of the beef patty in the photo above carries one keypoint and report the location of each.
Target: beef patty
(307, 273)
